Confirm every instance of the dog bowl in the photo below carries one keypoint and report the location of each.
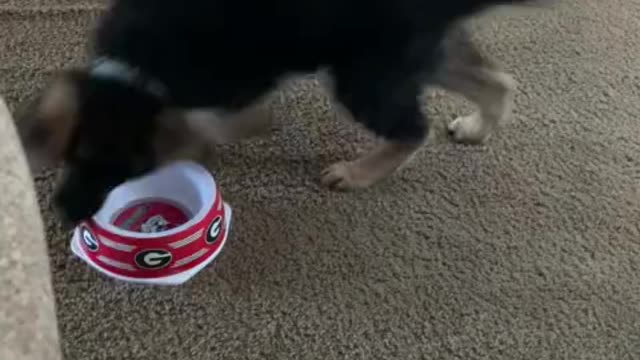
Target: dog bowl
(159, 229)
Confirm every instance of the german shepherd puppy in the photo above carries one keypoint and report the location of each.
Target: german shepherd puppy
(162, 68)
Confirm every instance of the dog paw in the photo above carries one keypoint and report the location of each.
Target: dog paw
(344, 176)
(470, 129)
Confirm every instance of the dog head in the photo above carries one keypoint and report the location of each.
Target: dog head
(103, 131)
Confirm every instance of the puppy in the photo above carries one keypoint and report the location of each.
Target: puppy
(162, 68)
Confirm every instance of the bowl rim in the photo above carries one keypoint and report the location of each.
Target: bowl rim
(207, 180)
(170, 280)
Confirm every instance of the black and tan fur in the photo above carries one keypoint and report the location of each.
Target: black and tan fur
(217, 59)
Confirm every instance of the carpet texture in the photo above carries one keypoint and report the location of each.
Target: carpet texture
(526, 248)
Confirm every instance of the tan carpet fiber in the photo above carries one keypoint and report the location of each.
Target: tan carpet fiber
(526, 248)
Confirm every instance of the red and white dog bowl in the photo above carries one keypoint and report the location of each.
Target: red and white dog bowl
(160, 229)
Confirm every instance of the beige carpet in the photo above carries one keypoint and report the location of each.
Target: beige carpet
(527, 248)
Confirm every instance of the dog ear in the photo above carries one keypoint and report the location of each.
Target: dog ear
(46, 125)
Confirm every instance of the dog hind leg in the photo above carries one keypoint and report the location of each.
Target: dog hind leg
(466, 71)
